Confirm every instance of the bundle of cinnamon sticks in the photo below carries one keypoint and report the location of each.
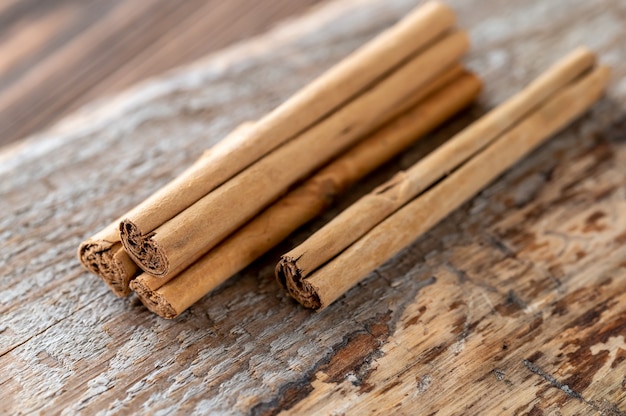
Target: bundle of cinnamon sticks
(376, 227)
(269, 177)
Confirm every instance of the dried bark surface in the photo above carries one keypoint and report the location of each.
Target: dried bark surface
(515, 304)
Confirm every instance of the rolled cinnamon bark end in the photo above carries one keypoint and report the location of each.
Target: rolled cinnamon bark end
(154, 301)
(110, 262)
(289, 276)
(102, 254)
(143, 250)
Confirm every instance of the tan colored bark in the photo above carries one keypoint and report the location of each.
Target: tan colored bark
(103, 254)
(373, 208)
(320, 288)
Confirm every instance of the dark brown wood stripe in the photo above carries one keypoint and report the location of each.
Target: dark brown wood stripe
(60, 54)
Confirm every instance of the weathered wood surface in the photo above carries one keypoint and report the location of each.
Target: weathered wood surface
(515, 304)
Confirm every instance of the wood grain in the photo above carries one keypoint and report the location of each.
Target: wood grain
(515, 304)
(58, 55)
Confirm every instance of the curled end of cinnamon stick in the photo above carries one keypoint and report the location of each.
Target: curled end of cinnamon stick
(143, 250)
(110, 263)
(290, 277)
(153, 300)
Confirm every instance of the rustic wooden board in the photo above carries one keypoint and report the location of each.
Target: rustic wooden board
(515, 304)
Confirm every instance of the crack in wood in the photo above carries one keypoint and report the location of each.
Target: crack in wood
(553, 381)
(604, 407)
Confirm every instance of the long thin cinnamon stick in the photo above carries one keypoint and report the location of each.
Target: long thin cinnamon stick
(331, 90)
(361, 217)
(103, 255)
(322, 287)
(303, 203)
(179, 242)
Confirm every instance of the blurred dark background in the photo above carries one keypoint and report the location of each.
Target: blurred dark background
(56, 55)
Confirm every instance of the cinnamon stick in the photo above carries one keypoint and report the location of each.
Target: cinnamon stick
(373, 208)
(326, 284)
(349, 78)
(175, 245)
(103, 255)
(169, 299)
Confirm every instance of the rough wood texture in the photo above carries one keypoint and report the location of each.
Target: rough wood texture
(515, 304)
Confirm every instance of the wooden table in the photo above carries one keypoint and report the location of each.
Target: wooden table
(58, 55)
(515, 304)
